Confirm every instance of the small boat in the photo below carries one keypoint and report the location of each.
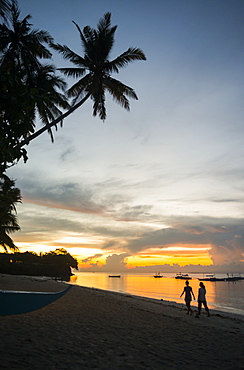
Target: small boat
(158, 275)
(114, 276)
(211, 278)
(233, 277)
(183, 276)
(14, 302)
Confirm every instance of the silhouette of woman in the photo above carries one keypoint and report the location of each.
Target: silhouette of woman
(202, 298)
(188, 296)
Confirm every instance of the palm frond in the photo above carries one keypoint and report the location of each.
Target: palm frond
(87, 37)
(99, 102)
(104, 39)
(81, 87)
(70, 55)
(122, 60)
(7, 242)
(42, 36)
(5, 7)
(104, 22)
(119, 92)
(119, 88)
(73, 72)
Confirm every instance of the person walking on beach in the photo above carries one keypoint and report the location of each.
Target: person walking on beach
(202, 299)
(188, 296)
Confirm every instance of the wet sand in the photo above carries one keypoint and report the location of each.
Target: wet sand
(94, 329)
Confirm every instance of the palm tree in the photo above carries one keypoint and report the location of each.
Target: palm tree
(9, 196)
(26, 86)
(19, 106)
(94, 70)
(5, 6)
(45, 96)
(20, 46)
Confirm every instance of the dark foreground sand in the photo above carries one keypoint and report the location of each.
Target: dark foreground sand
(93, 329)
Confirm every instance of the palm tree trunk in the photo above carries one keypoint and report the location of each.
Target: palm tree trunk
(53, 123)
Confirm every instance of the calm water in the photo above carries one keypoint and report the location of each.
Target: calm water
(221, 295)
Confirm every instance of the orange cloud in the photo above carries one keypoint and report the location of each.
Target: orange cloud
(175, 254)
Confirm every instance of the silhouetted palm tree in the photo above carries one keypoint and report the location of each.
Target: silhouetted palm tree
(26, 86)
(9, 196)
(46, 98)
(5, 6)
(94, 70)
(20, 46)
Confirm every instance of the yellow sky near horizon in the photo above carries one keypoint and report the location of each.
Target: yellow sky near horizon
(181, 254)
(175, 254)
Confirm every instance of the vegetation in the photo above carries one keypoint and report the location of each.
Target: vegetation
(32, 91)
(5, 6)
(27, 87)
(57, 263)
(9, 197)
(95, 71)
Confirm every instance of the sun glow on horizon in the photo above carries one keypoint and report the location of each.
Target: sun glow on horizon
(89, 255)
(187, 254)
(151, 260)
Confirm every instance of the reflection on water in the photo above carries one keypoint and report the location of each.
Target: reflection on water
(221, 295)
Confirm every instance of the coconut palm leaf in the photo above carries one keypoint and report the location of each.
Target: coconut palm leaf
(5, 6)
(94, 70)
(20, 45)
(28, 88)
(9, 197)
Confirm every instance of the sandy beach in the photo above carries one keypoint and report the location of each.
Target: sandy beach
(94, 329)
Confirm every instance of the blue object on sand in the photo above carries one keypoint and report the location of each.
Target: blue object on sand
(16, 302)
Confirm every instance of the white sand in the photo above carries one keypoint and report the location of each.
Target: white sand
(94, 329)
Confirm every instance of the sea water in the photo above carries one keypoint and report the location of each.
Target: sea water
(227, 296)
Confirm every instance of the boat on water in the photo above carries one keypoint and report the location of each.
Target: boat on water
(183, 276)
(114, 276)
(211, 278)
(158, 275)
(230, 277)
(14, 302)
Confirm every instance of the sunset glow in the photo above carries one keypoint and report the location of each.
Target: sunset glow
(183, 258)
(161, 184)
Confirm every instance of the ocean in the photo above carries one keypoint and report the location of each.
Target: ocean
(226, 296)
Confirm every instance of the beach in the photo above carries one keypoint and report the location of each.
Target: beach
(95, 329)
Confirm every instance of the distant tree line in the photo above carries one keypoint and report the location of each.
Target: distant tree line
(56, 263)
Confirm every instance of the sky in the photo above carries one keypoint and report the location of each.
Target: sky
(159, 187)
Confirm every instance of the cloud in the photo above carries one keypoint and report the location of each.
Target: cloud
(108, 199)
(133, 213)
(232, 251)
(65, 155)
(226, 237)
(88, 259)
(67, 195)
(124, 227)
(226, 200)
(115, 262)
